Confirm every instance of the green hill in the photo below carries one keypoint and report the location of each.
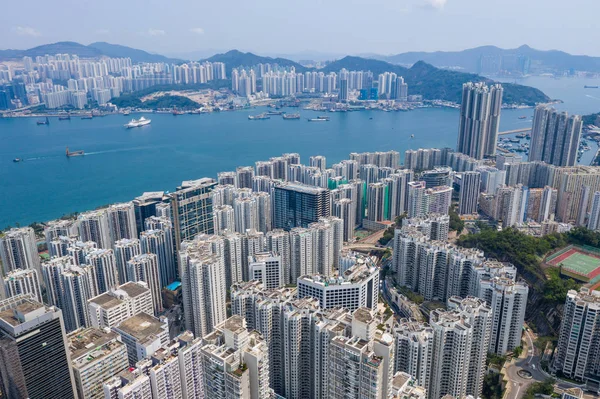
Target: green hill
(437, 84)
(235, 59)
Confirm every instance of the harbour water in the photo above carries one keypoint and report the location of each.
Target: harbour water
(119, 164)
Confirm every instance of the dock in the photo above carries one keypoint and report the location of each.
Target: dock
(515, 131)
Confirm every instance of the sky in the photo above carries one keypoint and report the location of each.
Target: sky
(286, 27)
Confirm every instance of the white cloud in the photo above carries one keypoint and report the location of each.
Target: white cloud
(198, 31)
(437, 4)
(26, 31)
(155, 32)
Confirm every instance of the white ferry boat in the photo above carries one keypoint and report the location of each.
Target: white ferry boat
(138, 123)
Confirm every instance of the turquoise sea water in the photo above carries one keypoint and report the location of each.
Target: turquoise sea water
(122, 163)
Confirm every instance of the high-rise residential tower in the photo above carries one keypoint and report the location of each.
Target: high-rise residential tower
(479, 119)
(555, 136)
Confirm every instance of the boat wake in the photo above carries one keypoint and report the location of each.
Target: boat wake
(116, 150)
(590, 96)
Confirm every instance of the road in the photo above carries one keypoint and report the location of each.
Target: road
(530, 360)
(514, 131)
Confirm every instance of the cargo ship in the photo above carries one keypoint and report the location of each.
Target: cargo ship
(74, 153)
(291, 116)
(319, 119)
(590, 87)
(259, 117)
(138, 123)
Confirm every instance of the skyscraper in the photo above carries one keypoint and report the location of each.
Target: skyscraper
(192, 209)
(378, 205)
(594, 219)
(144, 268)
(104, 263)
(469, 193)
(125, 250)
(555, 136)
(479, 119)
(224, 219)
(18, 250)
(121, 220)
(160, 243)
(21, 281)
(298, 205)
(461, 339)
(266, 267)
(34, 359)
(575, 355)
(96, 356)
(94, 226)
(203, 285)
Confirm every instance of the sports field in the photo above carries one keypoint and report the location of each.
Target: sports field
(578, 262)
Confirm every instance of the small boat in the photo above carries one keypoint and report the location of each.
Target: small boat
(64, 117)
(44, 122)
(291, 116)
(77, 153)
(17, 160)
(521, 135)
(138, 123)
(319, 119)
(370, 118)
(412, 136)
(126, 113)
(88, 116)
(259, 117)
(522, 117)
(590, 87)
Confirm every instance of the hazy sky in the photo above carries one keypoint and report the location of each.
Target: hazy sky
(283, 26)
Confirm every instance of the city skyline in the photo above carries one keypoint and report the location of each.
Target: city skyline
(167, 30)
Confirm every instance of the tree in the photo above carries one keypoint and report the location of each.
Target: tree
(456, 223)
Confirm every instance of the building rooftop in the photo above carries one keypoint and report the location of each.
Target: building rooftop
(142, 326)
(93, 343)
(363, 314)
(235, 324)
(133, 289)
(302, 188)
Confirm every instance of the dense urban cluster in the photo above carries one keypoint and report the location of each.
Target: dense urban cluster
(62, 80)
(285, 82)
(246, 286)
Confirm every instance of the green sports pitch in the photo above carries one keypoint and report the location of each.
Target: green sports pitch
(580, 263)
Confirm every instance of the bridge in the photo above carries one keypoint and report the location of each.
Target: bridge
(515, 131)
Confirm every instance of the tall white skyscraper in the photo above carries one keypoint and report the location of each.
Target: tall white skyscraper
(94, 226)
(144, 268)
(160, 243)
(594, 219)
(18, 250)
(224, 219)
(121, 220)
(267, 268)
(575, 355)
(555, 136)
(203, 286)
(125, 250)
(104, 263)
(414, 350)
(461, 340)
(246, 214)
(77, 285)
(469, 193)
(278, 242)
(21, 281)
(479, 119)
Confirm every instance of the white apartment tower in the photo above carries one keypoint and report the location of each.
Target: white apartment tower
(18, 250)
(121, 220)
(94, 226)
(144, 268)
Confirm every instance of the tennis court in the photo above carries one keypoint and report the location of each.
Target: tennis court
(577, 262)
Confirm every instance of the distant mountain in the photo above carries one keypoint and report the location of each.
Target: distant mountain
(434, 83)
(93, 50)
(469, 59)
(116, 50)
(235, 58)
